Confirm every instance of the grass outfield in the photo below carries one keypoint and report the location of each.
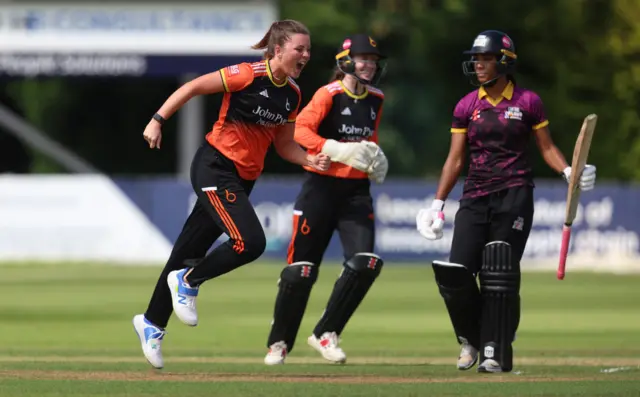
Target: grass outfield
(66, 331)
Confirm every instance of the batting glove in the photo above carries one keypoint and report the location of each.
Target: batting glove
(430, 221)
(587, 178)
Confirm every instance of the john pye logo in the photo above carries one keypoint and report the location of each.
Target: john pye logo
(354, 130)
(268, 118)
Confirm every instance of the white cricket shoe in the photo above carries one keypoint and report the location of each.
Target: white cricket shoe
(151, 340)
(183, 297)
(327, 345)
(468, 356)
(277, 353)
(489, 365)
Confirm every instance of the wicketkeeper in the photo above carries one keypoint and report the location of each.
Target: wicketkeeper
(341, 121)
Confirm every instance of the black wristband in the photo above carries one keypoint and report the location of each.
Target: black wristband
(159, 118)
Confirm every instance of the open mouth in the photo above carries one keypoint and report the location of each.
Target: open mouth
(300, 66)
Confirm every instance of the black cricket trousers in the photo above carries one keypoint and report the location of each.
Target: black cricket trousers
(222, 207)
(505, 215)
(326, 204)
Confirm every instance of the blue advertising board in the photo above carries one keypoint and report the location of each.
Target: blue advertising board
(606, 226)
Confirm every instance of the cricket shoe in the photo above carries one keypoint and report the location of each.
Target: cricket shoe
(327, 345)
(468, 356)
(183, 297)
(277, 353)
(151, 340)
(489, 365)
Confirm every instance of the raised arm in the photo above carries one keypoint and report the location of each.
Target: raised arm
(232, 78)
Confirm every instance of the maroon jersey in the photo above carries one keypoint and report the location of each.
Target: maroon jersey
(498, 136)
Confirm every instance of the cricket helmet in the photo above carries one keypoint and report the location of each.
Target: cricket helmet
(360, 44)
(496, 43)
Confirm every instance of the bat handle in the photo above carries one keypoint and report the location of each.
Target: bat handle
(564, 250)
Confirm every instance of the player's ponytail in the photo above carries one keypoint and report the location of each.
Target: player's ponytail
(264, 43)
(337, 74)
(278, 34)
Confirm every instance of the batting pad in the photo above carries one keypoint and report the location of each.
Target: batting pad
(500, 291)
(461, 296)
(294, 289)
(350, 288)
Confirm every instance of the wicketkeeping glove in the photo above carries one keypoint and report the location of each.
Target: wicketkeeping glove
(358, 155)
(379, 167)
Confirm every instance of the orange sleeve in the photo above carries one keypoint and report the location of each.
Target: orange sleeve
(310, 118)
(237, 77)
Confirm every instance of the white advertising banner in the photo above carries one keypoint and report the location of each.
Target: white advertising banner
(214, 28)
(74, 218)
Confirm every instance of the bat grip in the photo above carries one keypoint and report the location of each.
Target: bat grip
(564, 250)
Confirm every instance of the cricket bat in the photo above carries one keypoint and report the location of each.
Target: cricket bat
(580, 154)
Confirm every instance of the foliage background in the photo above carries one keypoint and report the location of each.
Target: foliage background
(581, 56)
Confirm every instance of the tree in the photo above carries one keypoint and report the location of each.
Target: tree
(580, 56)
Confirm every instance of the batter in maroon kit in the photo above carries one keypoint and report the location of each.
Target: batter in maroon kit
(496, 123)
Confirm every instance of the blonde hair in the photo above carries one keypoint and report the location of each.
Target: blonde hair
(278, 34)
